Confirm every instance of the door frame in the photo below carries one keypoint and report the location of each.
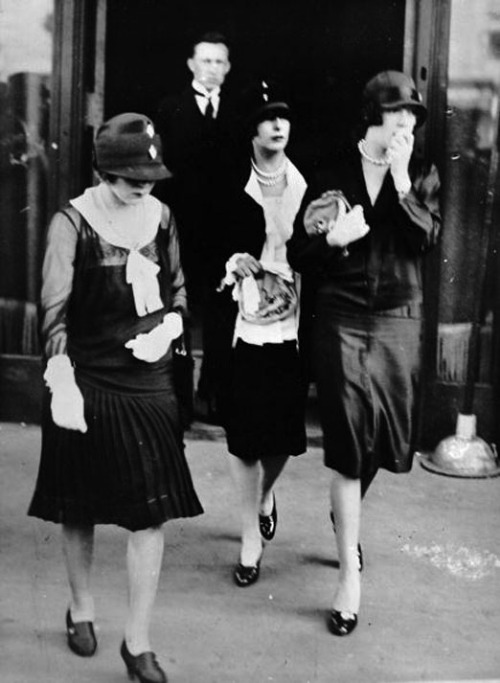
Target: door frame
(77, 109)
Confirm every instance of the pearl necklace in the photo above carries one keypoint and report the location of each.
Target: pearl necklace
(270, 179)
(381, 161)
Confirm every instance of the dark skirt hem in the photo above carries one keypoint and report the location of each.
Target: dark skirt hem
(154, 514)
(243, 454)
(266, 412)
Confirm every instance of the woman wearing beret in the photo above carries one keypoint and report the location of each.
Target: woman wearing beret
(260, 394)
(112, 303)
(366, 265)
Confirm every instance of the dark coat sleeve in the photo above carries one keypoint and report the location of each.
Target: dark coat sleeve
(307, 254)
(420, 209)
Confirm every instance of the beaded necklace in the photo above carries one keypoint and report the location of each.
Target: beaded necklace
(270, 179)
(381, 161)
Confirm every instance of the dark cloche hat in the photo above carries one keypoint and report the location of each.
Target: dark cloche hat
(393, 89)
(262, 100)
(128, 146)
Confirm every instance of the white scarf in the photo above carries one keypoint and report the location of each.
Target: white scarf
(128, 227)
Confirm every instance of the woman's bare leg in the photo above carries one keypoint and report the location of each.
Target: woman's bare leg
(345, 496)
(271, 470)
(247, 478)
(144, 559)
(78, 549)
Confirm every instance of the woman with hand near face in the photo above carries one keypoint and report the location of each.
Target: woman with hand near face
(366, 270)
(260, 394)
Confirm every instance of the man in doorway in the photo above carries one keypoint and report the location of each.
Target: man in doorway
(197, 128)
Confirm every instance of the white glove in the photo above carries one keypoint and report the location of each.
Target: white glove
(399, 153)
(66, 404)
(153, 345)
(348, 228)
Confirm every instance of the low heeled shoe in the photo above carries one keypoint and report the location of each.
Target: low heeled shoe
(143, 667)
(246, 575)
(268, 523)
(342, 623)
(81, 636)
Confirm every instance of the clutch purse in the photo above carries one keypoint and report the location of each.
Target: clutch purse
(272, 298)
(321, 214)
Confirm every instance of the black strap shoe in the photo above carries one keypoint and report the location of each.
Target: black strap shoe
(268, 523)
(144, 667)
(81, 636)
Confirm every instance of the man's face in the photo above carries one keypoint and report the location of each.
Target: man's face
(210, 64)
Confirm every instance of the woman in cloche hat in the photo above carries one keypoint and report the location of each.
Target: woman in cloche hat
(260, 397)
(366, 266)
(112, 302)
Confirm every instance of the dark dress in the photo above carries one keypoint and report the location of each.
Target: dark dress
(365, 317)
(129, 468)
(260, 391)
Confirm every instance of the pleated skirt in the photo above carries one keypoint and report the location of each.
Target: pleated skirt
(128, 469)
(265, 413)
(367, 373)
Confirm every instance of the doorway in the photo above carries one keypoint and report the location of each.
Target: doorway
(321, 51)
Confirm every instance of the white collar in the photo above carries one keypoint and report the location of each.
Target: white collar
(201, 90)
(129, 227)
(295, 186)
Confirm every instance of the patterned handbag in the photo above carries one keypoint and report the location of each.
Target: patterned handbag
(266, 299)
(321, 214)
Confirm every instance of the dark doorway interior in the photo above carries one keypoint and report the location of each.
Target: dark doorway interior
(321, 50)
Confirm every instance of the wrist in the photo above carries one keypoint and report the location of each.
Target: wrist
(402, 186)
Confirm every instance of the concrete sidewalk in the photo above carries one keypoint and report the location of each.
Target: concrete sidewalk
(431, 584)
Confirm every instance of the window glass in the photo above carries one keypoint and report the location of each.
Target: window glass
(25, 84)
(469, 268)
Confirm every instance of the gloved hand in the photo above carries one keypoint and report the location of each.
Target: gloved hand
(348, 228)
(153, 345)
(247, 265)
(399, 153)
(66, 404)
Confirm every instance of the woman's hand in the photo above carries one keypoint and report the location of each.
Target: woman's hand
(152, 346)
(66, 406)
(247, 265)
(348, 228)
(399, 153)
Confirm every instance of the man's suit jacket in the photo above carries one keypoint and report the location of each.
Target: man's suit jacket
(200, 153)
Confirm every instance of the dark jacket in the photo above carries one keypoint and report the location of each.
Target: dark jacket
(383, 269)
(200, 154)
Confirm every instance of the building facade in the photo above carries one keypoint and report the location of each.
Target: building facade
(65, 65)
